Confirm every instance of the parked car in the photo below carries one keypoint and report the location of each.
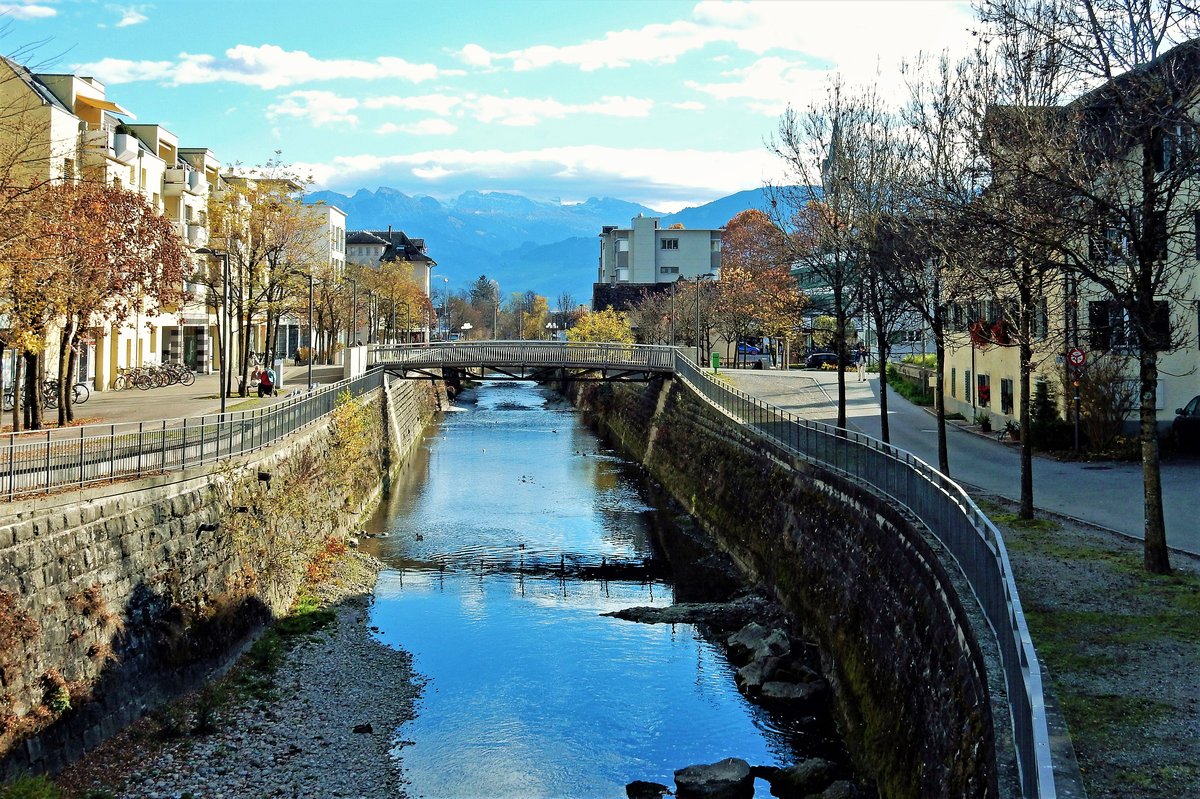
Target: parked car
(1185, 430)
(748, 349)
(820, 359)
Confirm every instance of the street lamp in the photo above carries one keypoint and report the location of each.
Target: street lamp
(312, 350)
(224, 331)
(699, 282)
(445, 307)
(353, 334)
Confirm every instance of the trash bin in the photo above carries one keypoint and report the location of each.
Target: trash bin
(716, 360)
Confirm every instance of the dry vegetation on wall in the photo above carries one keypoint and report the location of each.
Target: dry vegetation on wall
(277, 523)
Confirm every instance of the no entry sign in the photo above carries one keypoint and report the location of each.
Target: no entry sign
(1076, 357)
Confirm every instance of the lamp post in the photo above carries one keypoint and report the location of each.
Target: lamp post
(445, 308)
(312, 350)
(671, 318)
(353, 314)
(699, 282)
(224, 327)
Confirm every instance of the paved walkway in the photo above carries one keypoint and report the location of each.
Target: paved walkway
(173, 402)
(1105, 494)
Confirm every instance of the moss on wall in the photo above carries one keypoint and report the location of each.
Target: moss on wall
(857, 576)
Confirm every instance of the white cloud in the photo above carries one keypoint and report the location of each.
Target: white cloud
(27, 10)
(318, 107)
(131, 15)
(475, 56)
(690, 105)
(424, 127)
(665, 179)
(440, 104)
(527, 111)
(265, 66)
(767, 85)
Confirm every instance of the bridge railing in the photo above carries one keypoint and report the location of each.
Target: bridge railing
(567, 354)
(39, 462)
(951, 516)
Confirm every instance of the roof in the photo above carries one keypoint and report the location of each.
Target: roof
(35, 85)
(397, 245)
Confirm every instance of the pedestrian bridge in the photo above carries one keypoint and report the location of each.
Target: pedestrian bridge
(525, 360)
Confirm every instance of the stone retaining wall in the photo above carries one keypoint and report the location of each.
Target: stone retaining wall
(116, 598)
(857, 576)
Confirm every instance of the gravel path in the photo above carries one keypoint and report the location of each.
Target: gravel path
(299, 742)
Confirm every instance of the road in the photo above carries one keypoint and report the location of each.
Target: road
(1105, 494)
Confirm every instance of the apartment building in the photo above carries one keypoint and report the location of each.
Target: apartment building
(373, 248)
(1077, 319)
(70, 130)
(647, 257)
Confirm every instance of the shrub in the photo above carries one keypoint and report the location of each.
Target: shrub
(914, 393)
(1047, 430)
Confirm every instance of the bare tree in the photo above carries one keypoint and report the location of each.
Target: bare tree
(1124, 153)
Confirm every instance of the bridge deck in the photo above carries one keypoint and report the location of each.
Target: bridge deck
(527, 360)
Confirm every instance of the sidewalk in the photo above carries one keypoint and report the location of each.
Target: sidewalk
(1107, 495)
(174, 402)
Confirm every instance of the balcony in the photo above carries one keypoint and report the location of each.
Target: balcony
(175, 180)
(197, 235)
(125, 147)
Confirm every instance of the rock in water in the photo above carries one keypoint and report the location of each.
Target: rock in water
(365, 728)
(727, 779)
(806, 778)
(646, 790)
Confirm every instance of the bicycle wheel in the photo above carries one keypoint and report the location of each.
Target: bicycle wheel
(8, 400)
(187, 377)
(144, 381)
(81, 393)
(119, 383)
(50, 399)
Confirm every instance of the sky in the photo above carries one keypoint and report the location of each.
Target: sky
(665, 103)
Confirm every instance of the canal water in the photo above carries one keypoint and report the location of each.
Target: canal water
(494, 541)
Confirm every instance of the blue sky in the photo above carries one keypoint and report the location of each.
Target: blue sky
(659, 102)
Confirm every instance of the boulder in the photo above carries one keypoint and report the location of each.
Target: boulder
(750, 678)
(754, 641)
(795, 695)
(839, 790)
(806, 778)
(646, 790)
(727, 779)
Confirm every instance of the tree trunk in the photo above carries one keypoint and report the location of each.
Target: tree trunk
(1155, 555)
(939, 349)
(33, 392)
(883, 348)
(18, 375)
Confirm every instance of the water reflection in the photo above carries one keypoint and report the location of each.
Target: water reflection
(496, 535)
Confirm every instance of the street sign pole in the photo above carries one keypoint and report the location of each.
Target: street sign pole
(1077, 358)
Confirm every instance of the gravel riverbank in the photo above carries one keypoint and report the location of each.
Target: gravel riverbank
(291, 737)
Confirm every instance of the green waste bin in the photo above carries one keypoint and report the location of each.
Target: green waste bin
(716, 360)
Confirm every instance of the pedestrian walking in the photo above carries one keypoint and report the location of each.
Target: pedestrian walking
(862, 362)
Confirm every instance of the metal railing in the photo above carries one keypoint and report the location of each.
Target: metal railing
(566, 354)
(43, 461)
(951, 516)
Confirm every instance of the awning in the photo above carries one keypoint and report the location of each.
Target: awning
(104, 105)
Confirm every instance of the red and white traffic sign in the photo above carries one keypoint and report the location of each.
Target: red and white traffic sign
(1076, 357)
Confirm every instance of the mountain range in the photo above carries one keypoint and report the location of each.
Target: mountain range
(526, 245)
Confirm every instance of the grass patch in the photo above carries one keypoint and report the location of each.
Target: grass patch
(914, 393)
(1108, 717)
(255, 677)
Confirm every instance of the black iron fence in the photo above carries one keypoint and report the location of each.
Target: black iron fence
(40, 462)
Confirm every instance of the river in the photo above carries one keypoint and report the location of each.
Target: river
(529, 691)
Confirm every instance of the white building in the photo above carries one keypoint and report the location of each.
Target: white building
(647, 257)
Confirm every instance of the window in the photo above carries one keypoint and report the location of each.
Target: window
(668, 270)
(1006, 395)
(953, 382)
(984, 390)
(1197, 222)
(622, 245)
(716, 245)
(1175, 147)
(1110, 327)
(669, 244)
(967, 385)
(623, 275)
